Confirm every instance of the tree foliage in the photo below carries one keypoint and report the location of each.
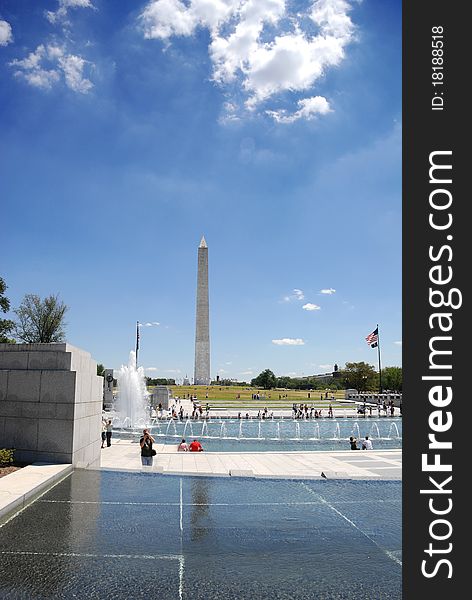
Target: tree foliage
(40, 321)
(100, 370)
(6, 325)
(265, 380)
(159, 381)
(392, 379)
(360, 376)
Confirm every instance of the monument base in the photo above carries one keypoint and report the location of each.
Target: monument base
(50, 404)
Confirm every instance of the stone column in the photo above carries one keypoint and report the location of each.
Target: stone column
(108, 389)
(50, 403)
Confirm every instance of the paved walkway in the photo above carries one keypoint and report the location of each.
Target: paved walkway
(19, 488)
(372, 464)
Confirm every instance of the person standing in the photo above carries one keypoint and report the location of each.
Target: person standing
(108, 432)
(147, 453)
(104, 432)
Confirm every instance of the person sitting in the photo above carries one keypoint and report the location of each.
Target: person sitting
(195, 446)
(353, 442)
(367, 444)
(182, 447)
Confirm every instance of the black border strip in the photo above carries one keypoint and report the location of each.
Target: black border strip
(434, 121)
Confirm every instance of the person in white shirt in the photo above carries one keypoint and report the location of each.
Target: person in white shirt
(367, 444)
(182, 447)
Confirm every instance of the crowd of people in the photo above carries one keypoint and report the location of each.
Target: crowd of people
(177, 412)
(303, 411)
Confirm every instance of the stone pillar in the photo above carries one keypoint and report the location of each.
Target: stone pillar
(202, 330)
(50, 403)
(161, 395)
(108, 389)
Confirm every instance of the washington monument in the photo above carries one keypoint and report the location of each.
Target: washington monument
(202, 329)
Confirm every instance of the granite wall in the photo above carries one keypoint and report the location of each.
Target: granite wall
(50, 403)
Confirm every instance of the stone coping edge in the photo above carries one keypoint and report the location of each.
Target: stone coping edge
(22, 487)
(246, 475)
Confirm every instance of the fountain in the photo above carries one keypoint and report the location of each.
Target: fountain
(225, 435)
(356, 428)
(132, 395)
(337, 432)
(375, 428)
(223, 430)
(188, 423)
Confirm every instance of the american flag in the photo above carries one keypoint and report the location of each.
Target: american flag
(373, 338)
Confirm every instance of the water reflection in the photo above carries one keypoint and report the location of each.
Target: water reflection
(200, 521)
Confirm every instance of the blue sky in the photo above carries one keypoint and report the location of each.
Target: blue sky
(272, 127)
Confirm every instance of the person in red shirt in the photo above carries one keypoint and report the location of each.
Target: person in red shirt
(195, 446)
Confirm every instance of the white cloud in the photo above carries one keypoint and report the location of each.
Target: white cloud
(399, 343)
(60, 15)
(295, 295)
(48, 64)
(261, 48)
(73, 67)
(289, 342)
(150, 369)
(248, 372)
(6, 35)
(328, 291)
(308, 109)
(325, 366)
(310, 306)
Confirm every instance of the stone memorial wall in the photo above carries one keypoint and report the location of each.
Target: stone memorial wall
(50, 403)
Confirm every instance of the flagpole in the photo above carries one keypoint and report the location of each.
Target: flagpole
(380, 368)
(137, 342)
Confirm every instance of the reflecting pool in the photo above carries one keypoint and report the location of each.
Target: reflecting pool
(116, 536)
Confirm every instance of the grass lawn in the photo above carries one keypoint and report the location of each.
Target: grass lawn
(235, 397)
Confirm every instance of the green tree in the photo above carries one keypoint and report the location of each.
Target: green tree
(266, 380)
(392, 379)
(6, 326)
(100, 370)
(360, 376)
(40, 321)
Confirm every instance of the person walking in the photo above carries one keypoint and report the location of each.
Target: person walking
(147, 452)
(108, 432)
